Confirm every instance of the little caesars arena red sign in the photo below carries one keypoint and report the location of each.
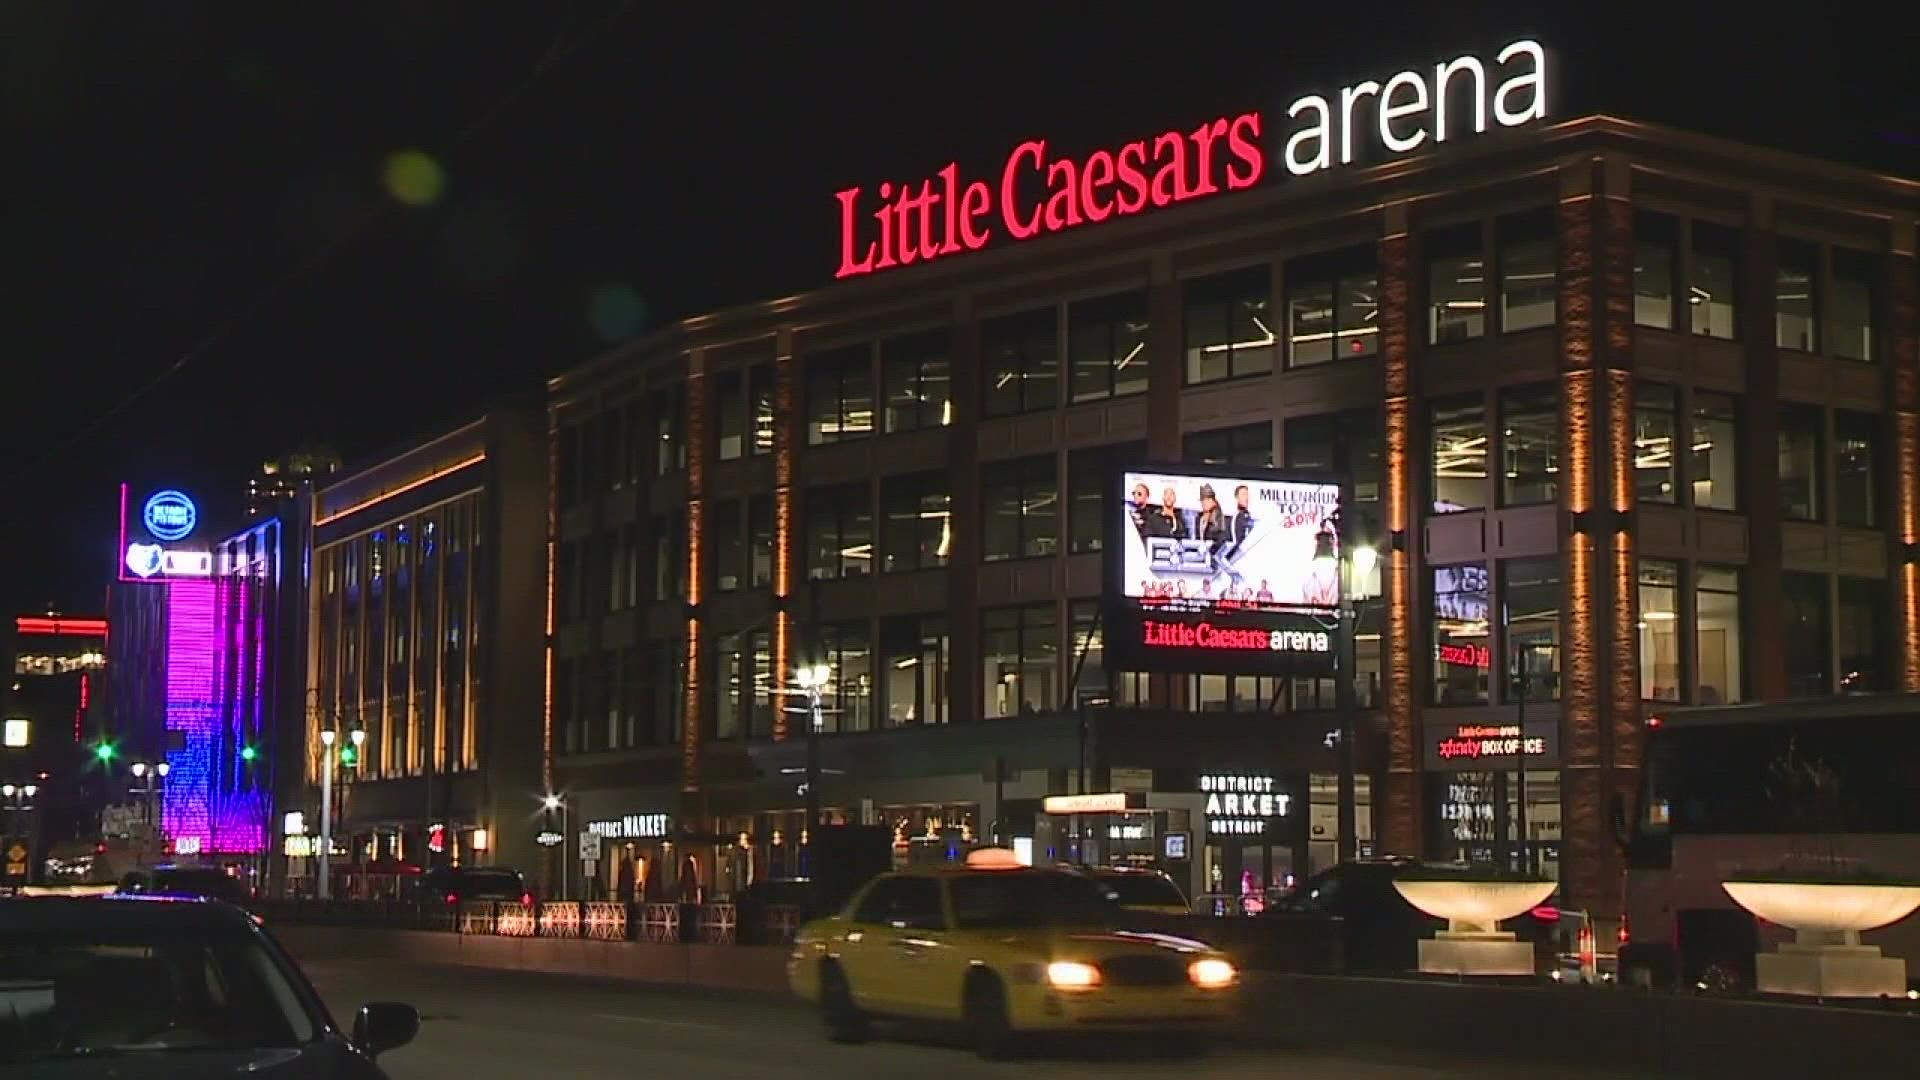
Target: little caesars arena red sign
(1037, 192)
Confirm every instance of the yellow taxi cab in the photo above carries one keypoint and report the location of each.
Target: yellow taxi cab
(1004, 950)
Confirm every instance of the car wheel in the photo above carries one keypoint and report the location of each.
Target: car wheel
(984, 1011)
(845, 1022)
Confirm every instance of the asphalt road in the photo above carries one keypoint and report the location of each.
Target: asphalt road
(481, 1024)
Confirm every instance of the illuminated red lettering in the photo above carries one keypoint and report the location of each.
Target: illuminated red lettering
(1097, 174)
(1243, 133)
(1133, 181)
(945, 214)
(849, 264)
(1063, 199)
(1009, 187)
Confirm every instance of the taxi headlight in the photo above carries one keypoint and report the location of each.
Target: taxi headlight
(1211, 973)
(1072, 975)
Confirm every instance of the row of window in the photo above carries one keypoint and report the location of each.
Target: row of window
(1526, 441)
(1823, 297)
(894, 672)
(1480, 278)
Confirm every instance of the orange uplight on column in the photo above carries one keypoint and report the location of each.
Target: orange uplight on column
(783, 451)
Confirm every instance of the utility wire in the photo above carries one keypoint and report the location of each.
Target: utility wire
(560, 50)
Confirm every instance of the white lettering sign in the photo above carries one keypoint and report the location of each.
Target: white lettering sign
(1414, 105)
(631, 827)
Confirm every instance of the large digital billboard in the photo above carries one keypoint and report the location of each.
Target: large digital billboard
(1225, 569)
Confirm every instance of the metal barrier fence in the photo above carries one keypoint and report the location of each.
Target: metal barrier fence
(717, 924)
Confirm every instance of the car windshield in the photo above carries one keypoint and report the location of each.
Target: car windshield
(491, 881)
(1142, 890)
(198, 883)
(1004, 899)
(157, 988)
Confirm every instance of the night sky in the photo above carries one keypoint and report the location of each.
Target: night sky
(203, 260)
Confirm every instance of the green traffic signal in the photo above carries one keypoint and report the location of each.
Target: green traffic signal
(248, 753)
(348, 756)
(104, 752)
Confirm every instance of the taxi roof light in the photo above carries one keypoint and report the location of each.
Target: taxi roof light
(994, 859)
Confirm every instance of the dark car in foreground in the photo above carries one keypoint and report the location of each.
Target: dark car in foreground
(146, 986)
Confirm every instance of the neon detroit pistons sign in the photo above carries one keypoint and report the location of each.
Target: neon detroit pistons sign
(1038, 192)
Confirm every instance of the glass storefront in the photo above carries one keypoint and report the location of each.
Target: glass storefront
(1475, 816)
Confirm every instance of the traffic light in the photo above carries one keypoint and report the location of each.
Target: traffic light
(248, 753)
(349, 756)
(104, 752)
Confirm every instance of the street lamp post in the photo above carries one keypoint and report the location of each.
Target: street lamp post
(554, 802)
(812, 679)
(149, 775)
(1355, 566)
(325, 884)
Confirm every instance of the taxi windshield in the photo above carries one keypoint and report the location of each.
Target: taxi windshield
(1006, 900)
(1142, 890)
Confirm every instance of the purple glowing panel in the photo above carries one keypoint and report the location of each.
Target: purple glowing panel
(239, 820)
(193, 645)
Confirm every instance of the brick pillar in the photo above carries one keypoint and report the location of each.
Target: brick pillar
(691, 733)
(785, 447)
(1582, 733)
(1902, 337)
(963, 568)
(1619, 618)
(1399, 815)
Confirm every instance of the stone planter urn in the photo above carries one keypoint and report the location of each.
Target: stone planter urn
(1473, 943)
(1826, 958)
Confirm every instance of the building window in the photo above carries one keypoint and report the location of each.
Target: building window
(1107, 346)
(1660, 674)
(729, 546)
(1714, 454)
(1346, 444)
(1799, 462)
(1251, 444)
(1795, 313)
(630, 555)
(760, 404)
(1086, 654)
(1460, 639)
(1655, 420)
(1856, 438)
(839, 532)
(670, 429)
(730, 405)
(1228, 329)
(1333, 307)
(1530, 599)
(913, 663)
(731, 674)
(1020, 359)
(1459, 454)
(1850, 319)
(1020, 656)
(917, 530)
(1529, 260)
(1716, 600)
(1807, 637)
(839, 396)
(1864, 666)
(1713, 295)
(669, 533)
(1529, 445)
(917, 374)
(1656, 247)
(1088, 472)
(760, 540)
(1022, 503)
(847, 650)
(1456, 285)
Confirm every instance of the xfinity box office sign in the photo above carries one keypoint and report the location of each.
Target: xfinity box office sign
(1038, 189)
(1230, 570)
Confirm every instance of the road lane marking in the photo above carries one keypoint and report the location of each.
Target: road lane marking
(659, 1022)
